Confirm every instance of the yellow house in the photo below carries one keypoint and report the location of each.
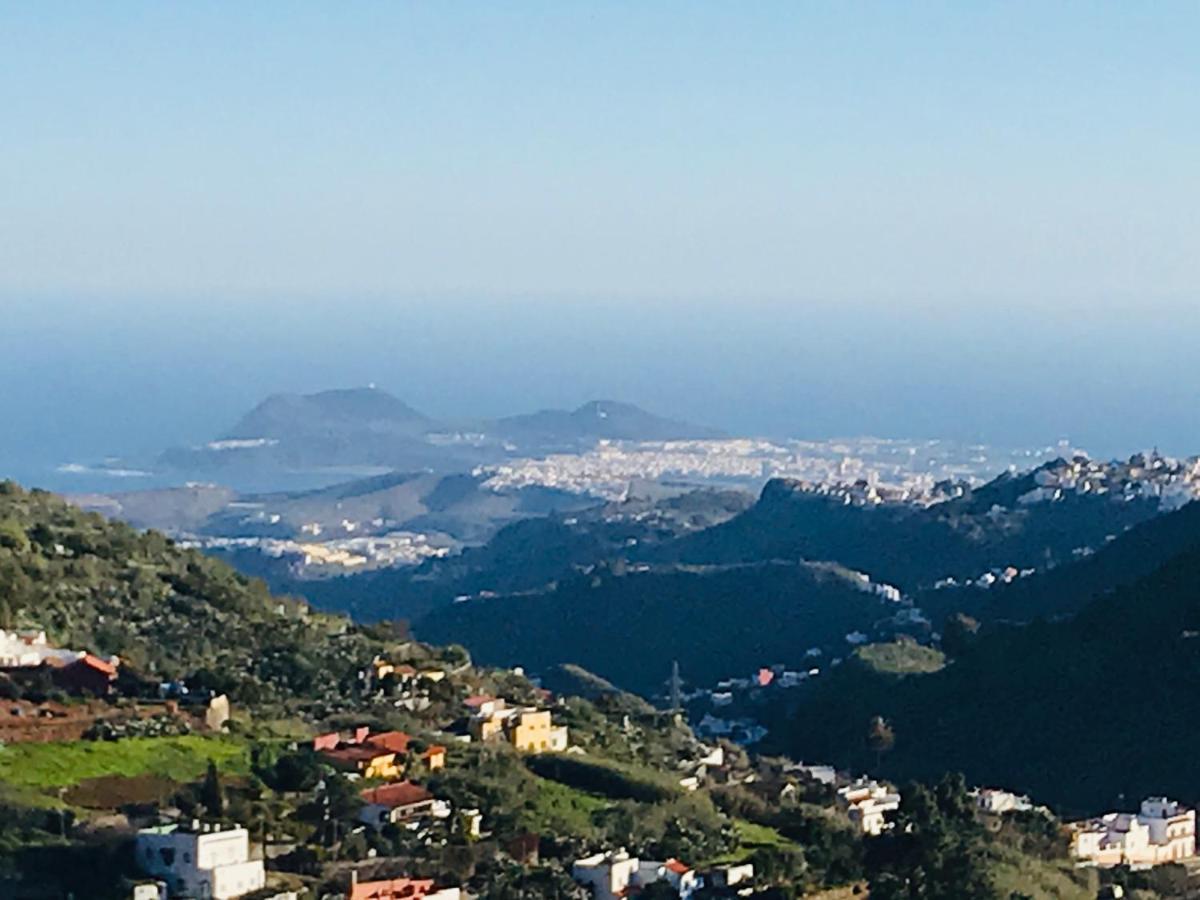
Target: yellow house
(369, 762)
(528, 730)
(532, 731)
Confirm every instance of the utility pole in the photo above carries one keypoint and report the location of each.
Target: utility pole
(676, 685)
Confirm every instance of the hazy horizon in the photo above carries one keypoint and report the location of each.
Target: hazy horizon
(113, 377)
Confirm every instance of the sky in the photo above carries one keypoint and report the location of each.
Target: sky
(974, 220)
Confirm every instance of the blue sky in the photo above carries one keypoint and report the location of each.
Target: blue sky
(973, 220)
(883, 152)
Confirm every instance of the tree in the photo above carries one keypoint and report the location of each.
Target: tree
(936, 850)
(958, 633)
(212, 795)
(296, 772)
(880, 738)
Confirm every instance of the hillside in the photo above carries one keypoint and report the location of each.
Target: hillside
(525, 555)
(628, 626)
(914, 545)
(169, 613)
(1065, 590)
(1078, 712)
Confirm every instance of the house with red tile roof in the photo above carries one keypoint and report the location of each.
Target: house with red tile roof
(399, 889)
(400, 803)
(88, 674)
(394, 741)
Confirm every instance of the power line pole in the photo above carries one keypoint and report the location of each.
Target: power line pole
(676, 685)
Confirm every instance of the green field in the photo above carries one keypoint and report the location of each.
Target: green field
(752, 837)
(181, 758)
(901, 658)
(559, 809)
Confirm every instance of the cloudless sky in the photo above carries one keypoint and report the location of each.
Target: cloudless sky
(887, 150)
(969, 219)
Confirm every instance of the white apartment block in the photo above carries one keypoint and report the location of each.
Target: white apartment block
(200, 860)
(612, 876)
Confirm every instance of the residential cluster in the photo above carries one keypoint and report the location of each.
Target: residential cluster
(863, 470)
(310, 558)
(1161, 831)
(1172, 482)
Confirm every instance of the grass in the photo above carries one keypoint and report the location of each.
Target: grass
(559, 809)
(58, 765)
(901, 658)
(752, 837)
(1018, 873)
(604, 777)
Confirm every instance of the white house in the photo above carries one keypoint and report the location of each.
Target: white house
(1161, 831)
(867, 803)
(200, 860)
(612, 875)
(400, 803)
(996, 801)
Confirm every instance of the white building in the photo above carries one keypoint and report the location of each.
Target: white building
(867, 803)
(1161, 831)
(200, 860)
(996, 801)
(26, 649)
(612, 875)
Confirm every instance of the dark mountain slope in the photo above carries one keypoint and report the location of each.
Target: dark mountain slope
(1065, 590)
(629, 627)
(1082, 712)
(522, 556)
(914, 546)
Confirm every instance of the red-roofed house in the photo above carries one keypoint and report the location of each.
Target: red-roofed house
(394, 741)
(369, 755)
(482, 705)
(399, 889)
(326, 741)
(398, 803)
(87, 675)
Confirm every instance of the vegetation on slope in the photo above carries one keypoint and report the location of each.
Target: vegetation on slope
(629, 627)
(1088, 713)
(169, 613)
